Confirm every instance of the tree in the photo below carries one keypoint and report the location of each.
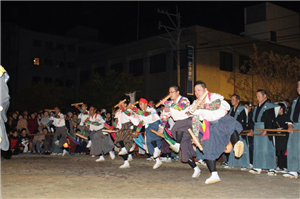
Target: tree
(277, 74)
(40, 96)
(106, 92)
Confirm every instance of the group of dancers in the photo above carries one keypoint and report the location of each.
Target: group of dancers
(208, 123)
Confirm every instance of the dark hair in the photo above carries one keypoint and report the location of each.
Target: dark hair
(176, 87)
(237, 97)
(126, 98)
(93, 107)
(78, 130)
(45, 128)
(282, 105)
(200, 83)
(23, 130)
(262, 91)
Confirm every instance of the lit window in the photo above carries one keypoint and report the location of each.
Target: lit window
(36, 61)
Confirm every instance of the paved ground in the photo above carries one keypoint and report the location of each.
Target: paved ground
(45, 176)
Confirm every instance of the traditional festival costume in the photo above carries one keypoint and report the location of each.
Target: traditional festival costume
(218, 129)
(264, 154)
(102, 142)
(60, 136)
(293, 145)
(151, 120)
(84, 129)
(240, 114)
(4, 104)
(125, 120)
(183, 122)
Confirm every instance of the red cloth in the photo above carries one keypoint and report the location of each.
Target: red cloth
(32, 125)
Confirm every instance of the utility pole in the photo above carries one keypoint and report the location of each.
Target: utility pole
(174, 42)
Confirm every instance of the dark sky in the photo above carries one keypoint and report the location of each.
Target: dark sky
(117, 20)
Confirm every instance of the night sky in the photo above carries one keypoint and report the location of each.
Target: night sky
(117, 20)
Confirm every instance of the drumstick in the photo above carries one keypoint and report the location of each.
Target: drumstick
(49, 110)
(109, 131)
(81, 136)
(135, 103)
(163, 100)
(79, 103)
(119, 103)
(196, 141)
(201, 98)
(158, 134)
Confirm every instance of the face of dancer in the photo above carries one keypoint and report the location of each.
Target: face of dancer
(234, 101)
(298, 89)
(261, 97)
(92, 110)
(143, 106)
(83, 107)
(199, 91)
(56, 110)
(174, 94)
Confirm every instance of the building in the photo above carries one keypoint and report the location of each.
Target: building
(31, 57)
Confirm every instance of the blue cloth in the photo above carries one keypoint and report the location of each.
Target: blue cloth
(264, 153)
(198, 152)
(150, 136)
(244, 160)
(220, 133)
(293, 150)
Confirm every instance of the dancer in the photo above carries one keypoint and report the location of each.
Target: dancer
(220, 128)
(60, 136)
(176, 109)
(151, 120)
(102, 143)
(125, 120)
(84, 129)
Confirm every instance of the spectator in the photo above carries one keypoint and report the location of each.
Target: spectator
(25, 143)
(33, 124)
(14, 142)
(22, 123)
(14, 120)
(44, 121)
(8, 124)
(70, 123)
(80, 149)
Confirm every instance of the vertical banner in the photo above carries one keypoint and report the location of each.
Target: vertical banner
(190, 70)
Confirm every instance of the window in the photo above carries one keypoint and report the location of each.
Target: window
(60, 64)
(70, 83)
(117, 67)
(100, 71)
(71, 48)
(49, 45)
(37, 43)
(48, 61)
(47, 80)
(59, 82)
(226, 61)
(71, 65)
(136, 67)
(36, 61)
(36, 79)
(158, 63)
(243, 69)
(273, 36)
(84, 76)
(60, 46)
